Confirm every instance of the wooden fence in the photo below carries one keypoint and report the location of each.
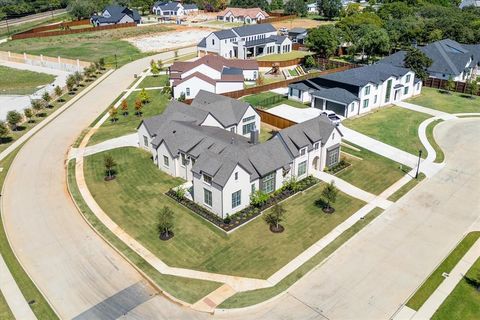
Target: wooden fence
(461, 87)
(29, 34)
(56, 26)
(274, 120)
(285, 63)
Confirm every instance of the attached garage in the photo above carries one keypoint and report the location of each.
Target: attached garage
(338, 108)
(333, 99)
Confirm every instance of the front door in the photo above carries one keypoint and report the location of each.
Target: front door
(316, 163)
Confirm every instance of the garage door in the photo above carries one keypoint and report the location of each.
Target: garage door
(318, 103)
(336, 107)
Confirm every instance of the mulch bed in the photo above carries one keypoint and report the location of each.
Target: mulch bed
(165, 237)
(274, 229)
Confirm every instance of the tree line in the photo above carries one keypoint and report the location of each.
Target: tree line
(18, 8)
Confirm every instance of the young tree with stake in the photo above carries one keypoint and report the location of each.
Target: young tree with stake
(329, 194)
(110, 164)
(165, 223)
(274, 217)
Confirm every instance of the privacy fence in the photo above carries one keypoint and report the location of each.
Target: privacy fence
(461, 87)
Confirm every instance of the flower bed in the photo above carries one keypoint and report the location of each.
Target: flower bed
(338, 167)
(250, 212)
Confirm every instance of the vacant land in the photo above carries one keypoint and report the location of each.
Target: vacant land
(23, 82)
(129, 123)
(464, 302)
(135, 197)
(300, 23)
(436, 278)
(447, 102)
(285, 56)
(89, 46)
(395, 126)
(373, 173)
(5, 313)
(267, 100)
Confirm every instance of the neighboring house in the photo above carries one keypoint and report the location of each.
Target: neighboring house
(115, 14)
(225, 168)
(450, 59)
(297, 35)
(359, 90)
(211, 73)
(244, 15)
(173, 9)
(312, 8)
(245, 42)
(469, 3)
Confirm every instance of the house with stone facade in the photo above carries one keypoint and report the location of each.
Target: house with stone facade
(213, 144)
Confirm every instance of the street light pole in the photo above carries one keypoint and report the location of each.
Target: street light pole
(418, 165)
(116, 64)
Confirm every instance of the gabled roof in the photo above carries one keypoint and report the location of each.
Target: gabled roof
(304, 85)
(254, 29)
(225, 34)
(167, 6)
(198, 75)
(336, 95)
(297, 31)
(190, 6)
(243, 12)
(116, 14)
(215, 62)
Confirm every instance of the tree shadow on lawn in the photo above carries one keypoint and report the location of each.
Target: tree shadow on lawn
(475, 283)
(5, 140)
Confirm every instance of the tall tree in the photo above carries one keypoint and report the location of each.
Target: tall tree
(329, 8)
(276, 5)
(296, 7)
(324, 40)
(372, 40)
(418, 62)
(250, 4)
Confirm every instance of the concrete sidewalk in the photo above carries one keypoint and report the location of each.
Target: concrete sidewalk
(433, 112)
(129, 140)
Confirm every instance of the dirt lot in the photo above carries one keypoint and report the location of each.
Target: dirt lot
(299, 23)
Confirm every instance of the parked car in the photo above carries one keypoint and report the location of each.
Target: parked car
(332, 116)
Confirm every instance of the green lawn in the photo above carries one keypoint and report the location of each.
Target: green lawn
(40, 308)
(265, 133)
(436, 278)
(5, 312)
(451, 103)
(128, 124)
(440, 156)
(135, 197)
(294, 54)
(188, 290)
(24, 82)
(267, 100)
(395, 126)
(248, 298)
(89, 46)
(224, 24)
(373, 173)
(464, 301)
(151, 81)
(406, 188)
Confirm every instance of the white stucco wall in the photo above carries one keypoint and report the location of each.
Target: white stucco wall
(195, 84)
(222, 87)
(204, 69)
(198, 190)
(232, 185)
(248, 113)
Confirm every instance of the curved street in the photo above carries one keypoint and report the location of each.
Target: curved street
(368, 278)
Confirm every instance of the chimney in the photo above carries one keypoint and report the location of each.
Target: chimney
(254, 136)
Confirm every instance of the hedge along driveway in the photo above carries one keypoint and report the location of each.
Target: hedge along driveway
(134, 199)
(392, 125)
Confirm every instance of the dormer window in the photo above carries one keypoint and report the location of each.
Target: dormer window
(184, 159)
(207, 179)
(303, 151)
(316, 145)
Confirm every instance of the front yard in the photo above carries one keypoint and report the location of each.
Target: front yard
(451, 103)
(23, 82)
(134, 199)
(370, 171)
(152, 81)
(269, 99)
(393, 125)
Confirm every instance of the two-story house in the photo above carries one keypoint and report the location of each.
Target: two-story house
(173, 9)
(115, 14)
(245, 42)
(211, 73)
(358, 90)
(226, 164)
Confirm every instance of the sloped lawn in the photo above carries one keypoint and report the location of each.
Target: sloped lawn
(450, 103)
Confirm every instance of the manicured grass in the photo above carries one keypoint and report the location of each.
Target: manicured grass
(436, 278)
(373, 173)
(248, 298)
(451, 103)
(24, 82)
(5, 312)
(128, 124)
(151, 81)
(294, 54)
(89, 46)
(224, 24)
(406, 188)
(188, 290)
(40, 308)
(267, 100)
(395, 126)
(464, 301)
(440, 156)
(135, 197)
(265, 133)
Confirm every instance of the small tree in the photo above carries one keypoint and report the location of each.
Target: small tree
(154, 70)
(310, 62)
(160, 65)
(473, 89)
(113, 114)
(167, 90)
(124, 107)
(46, 99)
(71, 83)
(450, 85)
(58, 91)
(3, 131)
(152, 63)
(13, 119)
(110, 164)
(274, 217)
(182, 97)
(260, 80)
(28, 114)
(36, 105)
(329, 195)
(165, 223)
(78, 78)
(138, 107)
(101, 63)
(143, 96)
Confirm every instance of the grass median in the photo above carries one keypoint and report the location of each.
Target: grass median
(440, 156)
(5, 312)
(406, 188)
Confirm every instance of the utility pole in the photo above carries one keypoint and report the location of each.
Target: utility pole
(418, 165)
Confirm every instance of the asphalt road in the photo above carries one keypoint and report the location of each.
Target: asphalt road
(368, 279)
(33, 17)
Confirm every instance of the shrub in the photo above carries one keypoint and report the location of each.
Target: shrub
(227, 219)
(258, 198)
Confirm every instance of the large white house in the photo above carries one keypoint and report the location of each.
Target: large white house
(359, 90)
(245, 15)
(173, 9)
(214, 145)
(245, 42)
(211, 73)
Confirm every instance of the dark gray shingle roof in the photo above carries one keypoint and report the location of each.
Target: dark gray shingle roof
(225, 34)
(254, 29)
(336, 95)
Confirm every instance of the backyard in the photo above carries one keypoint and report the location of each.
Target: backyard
(392, 125)
(451, 103)
(294, 54)
(269, 99)
(128, 124)
(370, 171)
(22, 82)
(134, 198)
